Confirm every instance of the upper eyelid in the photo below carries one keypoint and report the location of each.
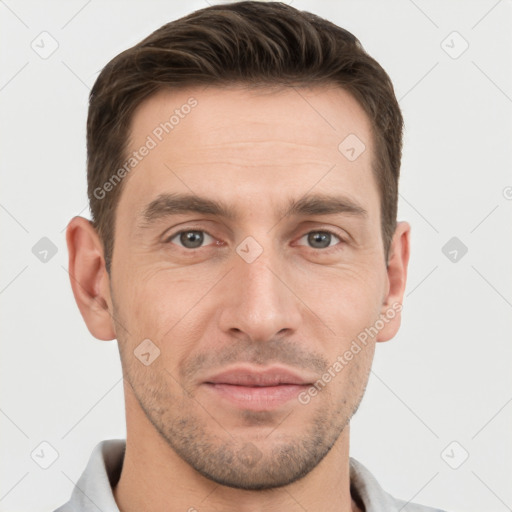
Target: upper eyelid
(168, 238)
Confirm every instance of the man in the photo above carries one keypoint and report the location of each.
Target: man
(243, 166)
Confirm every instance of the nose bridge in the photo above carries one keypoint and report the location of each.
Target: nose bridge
(258, 303)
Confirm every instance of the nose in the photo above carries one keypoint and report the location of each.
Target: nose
(259, 301)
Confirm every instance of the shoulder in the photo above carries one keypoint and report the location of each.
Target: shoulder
(367, 491)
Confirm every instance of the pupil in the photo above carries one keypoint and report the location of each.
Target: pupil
(192, 239)
(323, 238)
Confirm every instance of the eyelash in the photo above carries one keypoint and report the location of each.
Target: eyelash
(323, 250)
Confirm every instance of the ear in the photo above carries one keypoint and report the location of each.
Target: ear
(89, 278)
(397, 277)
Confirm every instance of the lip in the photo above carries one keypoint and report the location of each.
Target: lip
(252, 377)
(257, 389)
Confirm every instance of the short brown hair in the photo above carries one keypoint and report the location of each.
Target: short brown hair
(252, 43)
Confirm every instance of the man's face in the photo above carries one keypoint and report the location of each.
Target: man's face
(256, 294)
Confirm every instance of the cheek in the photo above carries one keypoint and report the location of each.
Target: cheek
(164, 307)
(172, 307)
(346, 299)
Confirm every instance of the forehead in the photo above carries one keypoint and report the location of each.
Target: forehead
(249, 146)
(322, 115)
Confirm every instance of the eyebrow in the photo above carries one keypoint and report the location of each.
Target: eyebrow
(166, 205)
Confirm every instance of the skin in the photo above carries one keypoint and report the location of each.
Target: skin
(188, 448)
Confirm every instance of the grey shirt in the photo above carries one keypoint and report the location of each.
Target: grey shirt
(93, 491)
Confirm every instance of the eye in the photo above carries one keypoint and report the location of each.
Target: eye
(195, 238)
(189, 238)
(321, 239)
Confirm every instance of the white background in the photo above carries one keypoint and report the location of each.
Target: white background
(445, 377)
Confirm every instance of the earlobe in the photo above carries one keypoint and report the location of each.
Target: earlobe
(89, 278)
(397, 279)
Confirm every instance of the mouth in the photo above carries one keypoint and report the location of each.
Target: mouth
(257, 390)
